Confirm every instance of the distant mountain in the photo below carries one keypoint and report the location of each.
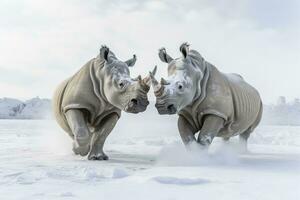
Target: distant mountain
(35, 108)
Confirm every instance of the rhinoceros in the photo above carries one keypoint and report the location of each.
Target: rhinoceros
(88, 104)
(206, 100)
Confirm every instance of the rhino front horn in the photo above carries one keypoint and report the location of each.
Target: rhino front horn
(157, 87)
(147, 79)
(154, 70)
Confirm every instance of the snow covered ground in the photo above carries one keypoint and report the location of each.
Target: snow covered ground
(147, 161)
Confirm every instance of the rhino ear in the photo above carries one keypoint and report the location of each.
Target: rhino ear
(164, 56)
(131, 61)
(104, 51)
(184, 48)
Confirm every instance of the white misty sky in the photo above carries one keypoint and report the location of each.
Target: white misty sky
(44, 42)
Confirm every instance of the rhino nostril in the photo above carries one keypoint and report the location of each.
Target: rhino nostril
(134, 101)
(171, 108)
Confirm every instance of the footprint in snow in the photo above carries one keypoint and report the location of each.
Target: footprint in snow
(179, 181)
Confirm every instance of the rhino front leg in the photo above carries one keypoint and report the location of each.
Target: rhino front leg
(100, 135)
(81, 132)
(186, 131)
(211, 126)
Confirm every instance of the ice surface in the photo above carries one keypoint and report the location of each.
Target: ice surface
(147, 161)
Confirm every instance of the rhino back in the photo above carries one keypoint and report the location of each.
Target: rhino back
(246, 103)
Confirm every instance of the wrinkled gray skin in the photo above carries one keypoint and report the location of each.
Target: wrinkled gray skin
(88, 105)
(207, 101)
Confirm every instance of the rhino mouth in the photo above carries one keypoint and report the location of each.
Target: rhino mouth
(136, 105)
(166, 109)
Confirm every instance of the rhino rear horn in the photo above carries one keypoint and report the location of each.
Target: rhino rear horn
(184, 48)
(138, 78)
(131, 61)
(164, 81)
(162, 53)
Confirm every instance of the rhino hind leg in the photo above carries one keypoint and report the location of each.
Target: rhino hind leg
(100, 135)
(243, 137)
(80, 131)
(226, 139)
(243, 140)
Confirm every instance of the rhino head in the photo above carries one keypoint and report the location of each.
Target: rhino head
(120, 90)
(182, 85)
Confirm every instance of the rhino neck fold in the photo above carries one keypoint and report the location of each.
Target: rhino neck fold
(201, 87)
(96, 68)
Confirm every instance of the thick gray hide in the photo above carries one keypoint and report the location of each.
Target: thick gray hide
(206, 100)
(225, 95)
(83, 91)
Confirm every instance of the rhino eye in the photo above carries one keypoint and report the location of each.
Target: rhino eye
(180, 87)
(121, 85)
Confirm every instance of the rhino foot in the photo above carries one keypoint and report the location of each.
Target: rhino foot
(81, 144)
(81, 150)
(101, 156)
(204, 140)
(242, 149)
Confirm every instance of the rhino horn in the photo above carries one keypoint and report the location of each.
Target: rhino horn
(138, 78)
(142, 83)
(147, 79)
(154, 70)
(157, 87)
(146, 82)
(164, 81)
